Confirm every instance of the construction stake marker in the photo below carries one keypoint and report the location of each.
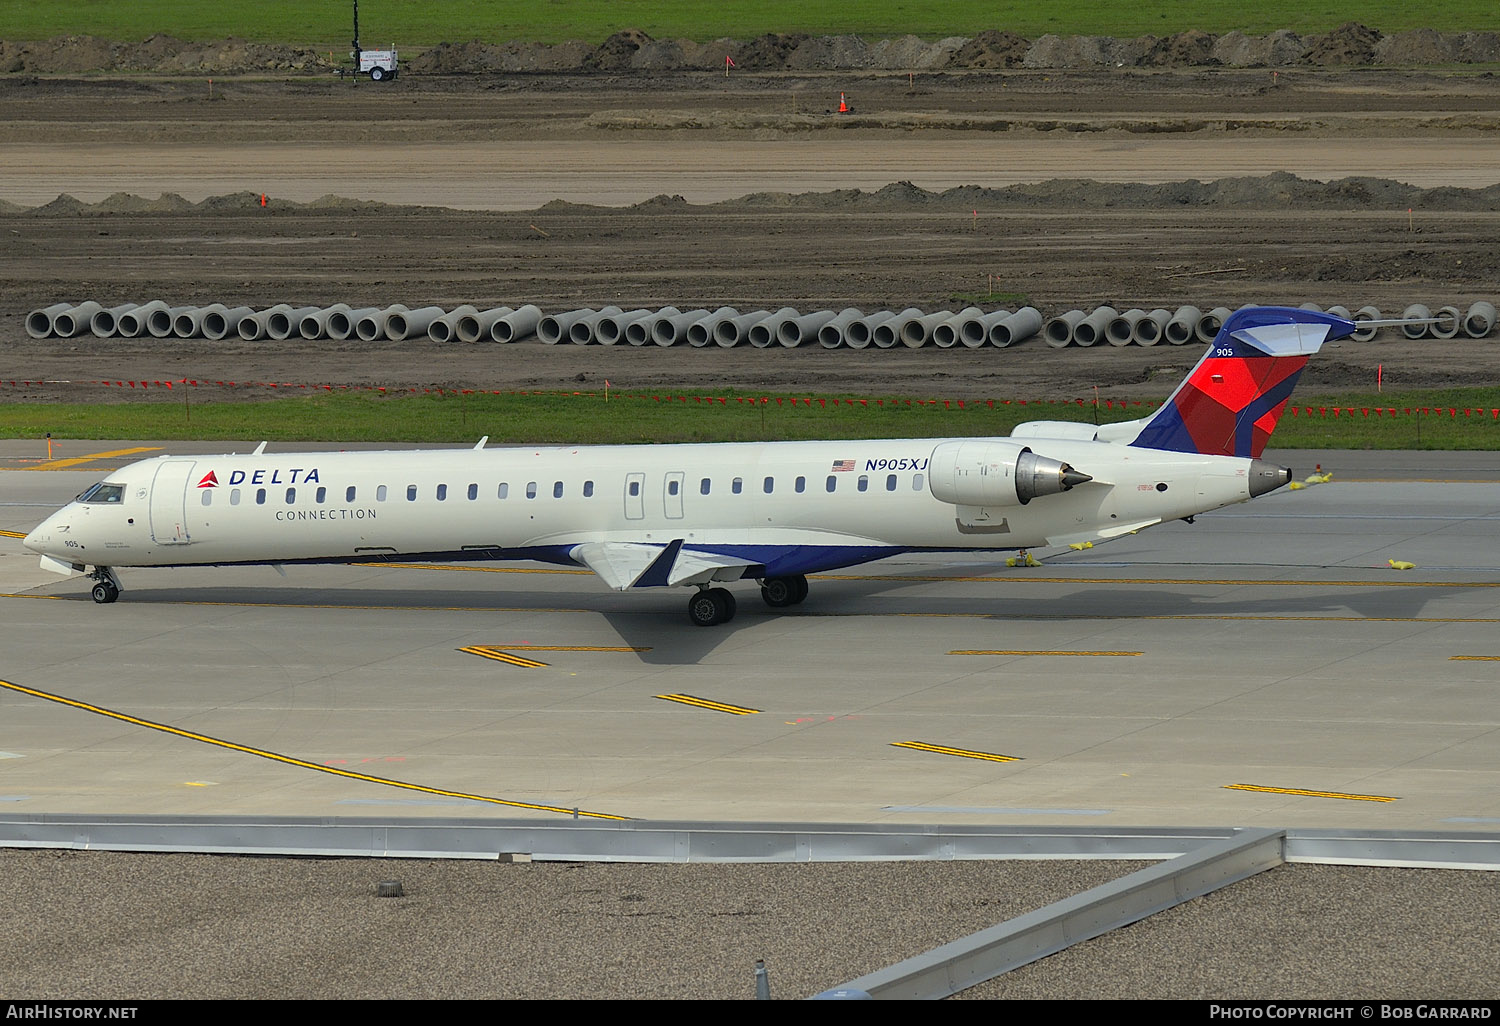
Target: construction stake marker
(1311, 794)
(300, 763)
(923, 746)
(705, 703)
(490, 652)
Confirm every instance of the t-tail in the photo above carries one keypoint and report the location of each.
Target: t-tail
(1230, 403)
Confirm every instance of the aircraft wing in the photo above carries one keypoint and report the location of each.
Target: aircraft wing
(626, 565)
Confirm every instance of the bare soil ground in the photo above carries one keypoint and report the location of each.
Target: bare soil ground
(1078, 246)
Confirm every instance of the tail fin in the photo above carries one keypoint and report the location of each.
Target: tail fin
(1230, 403)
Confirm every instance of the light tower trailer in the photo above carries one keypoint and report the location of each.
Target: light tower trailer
(380, 65)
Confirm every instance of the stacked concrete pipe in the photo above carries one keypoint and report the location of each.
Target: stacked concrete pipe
(445, 328)
(701, 332)
(1479, 319)
(132, 323)
(516, 325)
(406, 324)
(1091, 329)
(371, 327)
(74, 320)
(582, 331)
(1415, 312)
(189, 323)
(796, 330)
(253, 328)
(638, 332)
(473, 327)
(974, 332)
(1183, 327)
(1059, 330)
(731, 331)
(1018, 327)
(763, 333)
(1449, 320)
(611, 329)
(668, 331)
(314, 326)
(917, 332)
(39, 322)
(344, 324)
(106, 322)
(946, 333)
(1209, 324)
(1367, 331)
(1120, 331)
(220, 324)
(1149, 329)
(861, 332)
(832, 334)
(889, 333)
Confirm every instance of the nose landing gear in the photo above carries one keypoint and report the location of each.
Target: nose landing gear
(106, 587)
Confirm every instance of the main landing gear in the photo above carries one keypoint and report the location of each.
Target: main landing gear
(106, 586)
(711, 606)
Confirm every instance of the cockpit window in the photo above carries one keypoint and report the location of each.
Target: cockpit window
(104, 492)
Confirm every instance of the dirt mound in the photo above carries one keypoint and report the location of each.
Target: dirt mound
(768, 52)
(1191, 48)
(617, 52)
(1350, 43)
(991, 49)
(1419, 46)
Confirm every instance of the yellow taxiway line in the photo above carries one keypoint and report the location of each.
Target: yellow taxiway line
(708, 703)
(1311, 794)
(74, 461)
(923, 746)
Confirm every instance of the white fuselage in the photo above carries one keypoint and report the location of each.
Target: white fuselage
(787, 507)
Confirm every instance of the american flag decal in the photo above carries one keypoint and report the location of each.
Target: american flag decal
(841, 466)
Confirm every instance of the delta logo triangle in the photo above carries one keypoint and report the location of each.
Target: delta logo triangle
(210, 480)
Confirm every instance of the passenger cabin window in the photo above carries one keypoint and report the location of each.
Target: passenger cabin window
(890, 482)
(916, 483)
(737, 485)
(557, 489)
(833, 482)
(703, 487)
(769, 485)
(291, 496)
(234, 496)
(349, 494)
(504, 490)
(801, 485)
(103, 492)
(411, 493)
(379, 493)
(442, 493)
(473, 492)
(208, 496)
(530, 489)
(260, 496)
(588, 489)
(321, 495)
(635, 489)
(673, 487)
(864, 482)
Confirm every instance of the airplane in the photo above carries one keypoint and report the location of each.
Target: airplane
(704, 515)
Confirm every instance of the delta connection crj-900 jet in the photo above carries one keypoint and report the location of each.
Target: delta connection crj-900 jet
(643, 516)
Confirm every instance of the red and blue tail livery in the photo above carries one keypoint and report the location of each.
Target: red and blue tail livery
(1230, 403)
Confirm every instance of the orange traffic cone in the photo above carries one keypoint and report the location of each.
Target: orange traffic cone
(843, 106)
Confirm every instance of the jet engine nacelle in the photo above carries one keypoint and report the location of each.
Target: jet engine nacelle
(996, 473)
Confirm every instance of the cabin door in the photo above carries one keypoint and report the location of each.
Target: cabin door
(169, 502)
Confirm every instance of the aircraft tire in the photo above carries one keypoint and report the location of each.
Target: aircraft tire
(105, 593)
(779, 592)
(711, 606)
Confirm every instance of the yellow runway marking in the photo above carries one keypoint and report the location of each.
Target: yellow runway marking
(1311, 794)
(1487, 659)
(705, 703)
(91, 457)
(1033, 652)
(579, 648)
(12, 534)
(288, 760)
(490, 652)
(923, 746)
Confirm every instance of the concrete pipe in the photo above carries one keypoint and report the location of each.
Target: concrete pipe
(105, 323)
(831, 335)
(668, 331)
(1120, 331)
(582, 331)
(861, 332)
(343, 324)
(1091, 329)
(445, 328)
(75, 319)
(219, 325)
(1314, 307)
(516, 325)
(763, 334)
(1183, 327)
(1415, 312)
(638, 333)
(189, 323)
(1018, 327)
(1209, 324)
(405, 324)
(611, 330)
(39, 322)
(795, 330)
(888, 333)
(476, 326)
(132, 323)
(945, 335)
(1340, 311)
(1479, 320)
(734, 330)
(1149, 329)
(917, 332)
(1366, 333)
(1059, 330)
(974, 332)
(253, 328)
(372, 327)
(159, 322)
(553, 328)
(314, 326)
(701, 332)
(1449, 320)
